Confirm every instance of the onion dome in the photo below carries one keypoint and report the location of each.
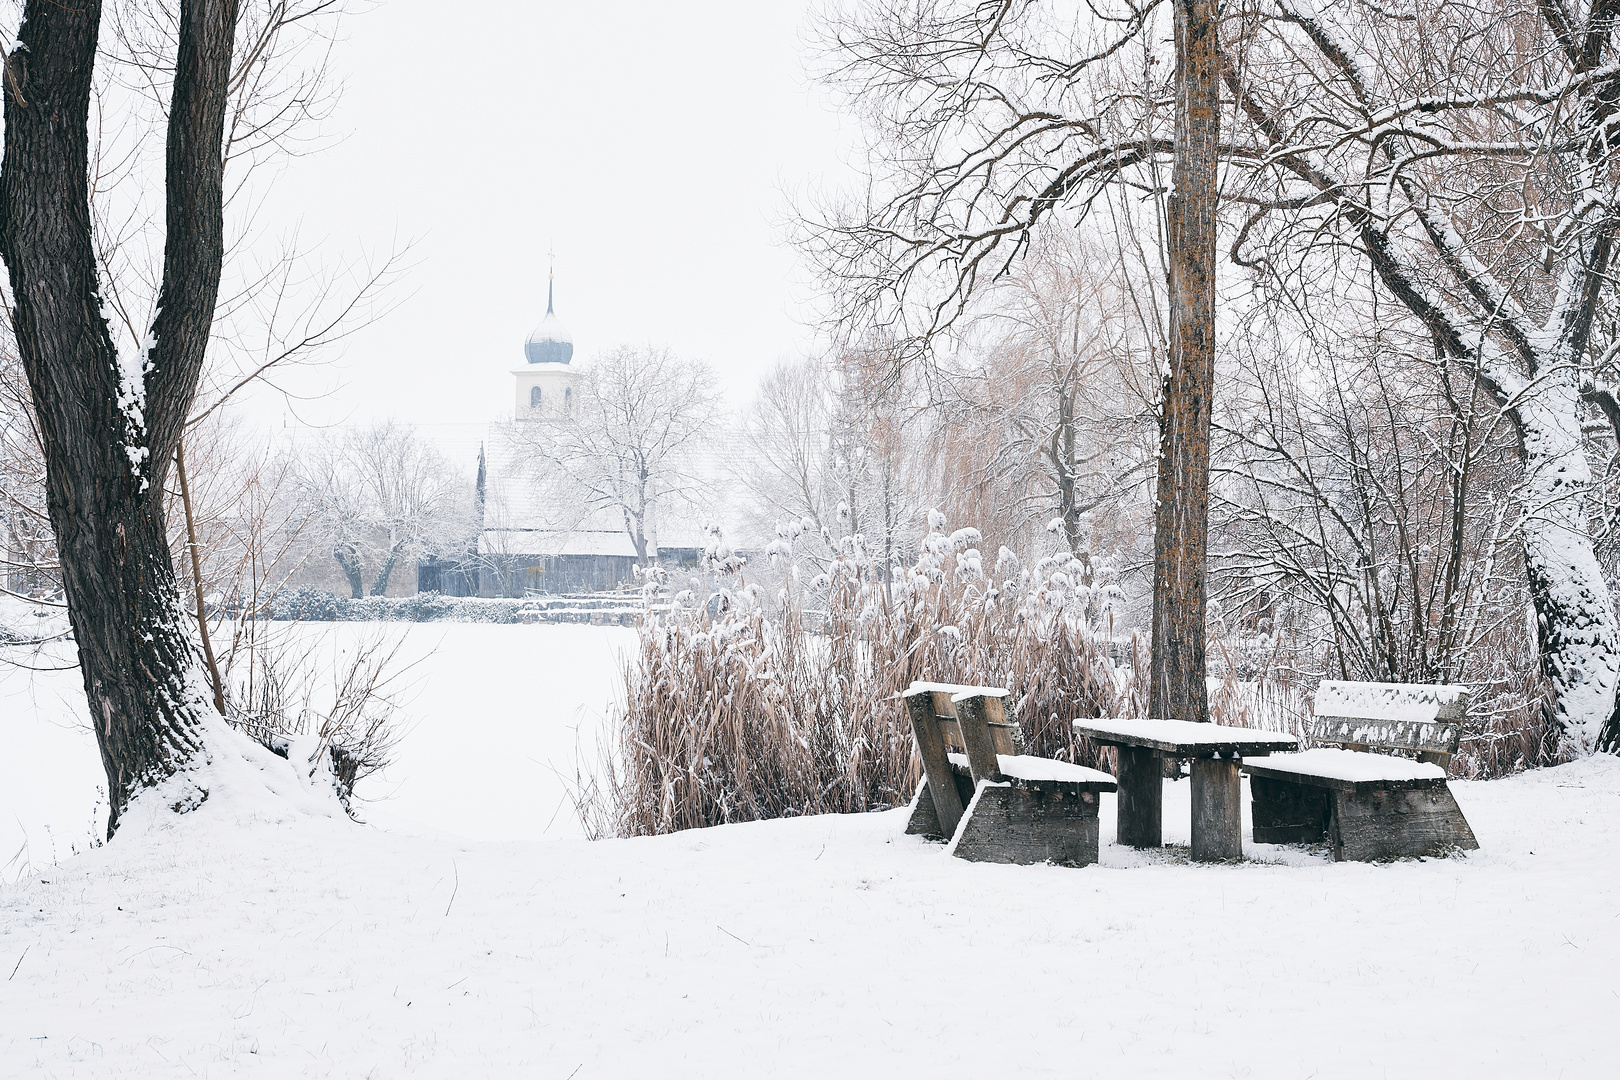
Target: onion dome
(550, 343)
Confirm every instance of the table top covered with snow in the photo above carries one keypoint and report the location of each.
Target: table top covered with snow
(1349, 767)
(1184, 737)
(1036, 769)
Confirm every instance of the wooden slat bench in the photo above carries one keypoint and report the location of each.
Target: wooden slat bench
(992, 802)
(1368, 806)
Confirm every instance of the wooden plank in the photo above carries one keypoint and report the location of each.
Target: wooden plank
(1359, 731)
(1370, 825)
(1003, 732)
(1332, 783)
(1286, 813)
(1179, 738)
(1020, 825)
(1141, 798)
(981, 750)
(936, 767)
(1217, 810)
(1422, 702)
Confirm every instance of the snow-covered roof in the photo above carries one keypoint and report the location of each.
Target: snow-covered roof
(550, 342)
(554, 542)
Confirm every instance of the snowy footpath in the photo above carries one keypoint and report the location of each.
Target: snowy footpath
(242, 941)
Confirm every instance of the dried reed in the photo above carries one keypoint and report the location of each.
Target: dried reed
(738, 709)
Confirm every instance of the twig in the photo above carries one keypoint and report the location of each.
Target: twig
(453, 888)
(18, 964)
(732, 936)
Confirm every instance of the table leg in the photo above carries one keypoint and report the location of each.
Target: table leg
(1141, 798)
(1217, 810)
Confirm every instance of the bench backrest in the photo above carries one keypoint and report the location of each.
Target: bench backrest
(1390, 716)
(1004, 732)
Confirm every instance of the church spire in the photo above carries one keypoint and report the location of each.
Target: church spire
(550, 342)
(551, 277)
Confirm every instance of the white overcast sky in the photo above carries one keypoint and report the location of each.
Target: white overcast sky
(652, 143)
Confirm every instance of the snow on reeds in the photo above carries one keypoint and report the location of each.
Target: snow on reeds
(742, 706)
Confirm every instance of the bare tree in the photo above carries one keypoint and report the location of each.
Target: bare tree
(1062, 381)
(1462, 156)
(110, 423)
(994, 120)
(628, 446)
(379, 494)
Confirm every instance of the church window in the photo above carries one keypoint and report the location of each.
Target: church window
(568, 400)
(534, 397)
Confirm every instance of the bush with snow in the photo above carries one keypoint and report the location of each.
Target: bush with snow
(742, 705)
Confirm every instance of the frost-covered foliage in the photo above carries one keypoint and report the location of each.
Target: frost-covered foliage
(306, 604)
(772, 693)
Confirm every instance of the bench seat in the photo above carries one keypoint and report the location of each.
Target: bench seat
(1368, 806)
(1347, 770)
(1037, 769)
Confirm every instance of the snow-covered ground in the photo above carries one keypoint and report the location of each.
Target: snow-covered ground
(270, 938)
(496, 718)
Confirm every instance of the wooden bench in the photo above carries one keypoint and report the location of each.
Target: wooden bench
(990, 800)
(1368, 806)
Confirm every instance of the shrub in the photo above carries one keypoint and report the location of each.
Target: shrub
(743, 705)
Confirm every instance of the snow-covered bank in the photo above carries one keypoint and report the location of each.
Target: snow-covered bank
(815, 947)
(494, 715)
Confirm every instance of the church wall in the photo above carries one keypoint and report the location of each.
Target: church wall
(557, 574)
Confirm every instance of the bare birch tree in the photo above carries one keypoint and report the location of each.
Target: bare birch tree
(1463, 157)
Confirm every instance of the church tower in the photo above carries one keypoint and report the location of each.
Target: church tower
(545, 385)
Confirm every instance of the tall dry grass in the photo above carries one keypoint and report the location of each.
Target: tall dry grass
(743, 705)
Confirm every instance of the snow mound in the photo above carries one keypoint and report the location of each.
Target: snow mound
(237, 781)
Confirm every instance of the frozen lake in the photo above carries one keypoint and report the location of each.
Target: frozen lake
(495, 719)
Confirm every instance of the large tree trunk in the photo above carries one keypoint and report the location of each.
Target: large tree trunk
(379, 586)
(110, 425)
(1575, 618)
(348, 557)
(1181, 514)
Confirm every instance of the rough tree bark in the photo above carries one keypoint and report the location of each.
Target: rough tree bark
(1181, 511)
(110, 425)
(348, 557)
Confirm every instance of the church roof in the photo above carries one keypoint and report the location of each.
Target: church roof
(550, 342)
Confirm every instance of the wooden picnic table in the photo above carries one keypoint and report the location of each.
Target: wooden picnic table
(1217, 787)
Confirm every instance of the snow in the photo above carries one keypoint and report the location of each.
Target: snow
(1025, 767)
(497, 715)
(1384, 701)
(1352, 765)
(300, 945)
(264, 935)
(1186, 731)
(958, 691)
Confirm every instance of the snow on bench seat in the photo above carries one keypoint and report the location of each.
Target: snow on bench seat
(1036, 769)
(1351, 766)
